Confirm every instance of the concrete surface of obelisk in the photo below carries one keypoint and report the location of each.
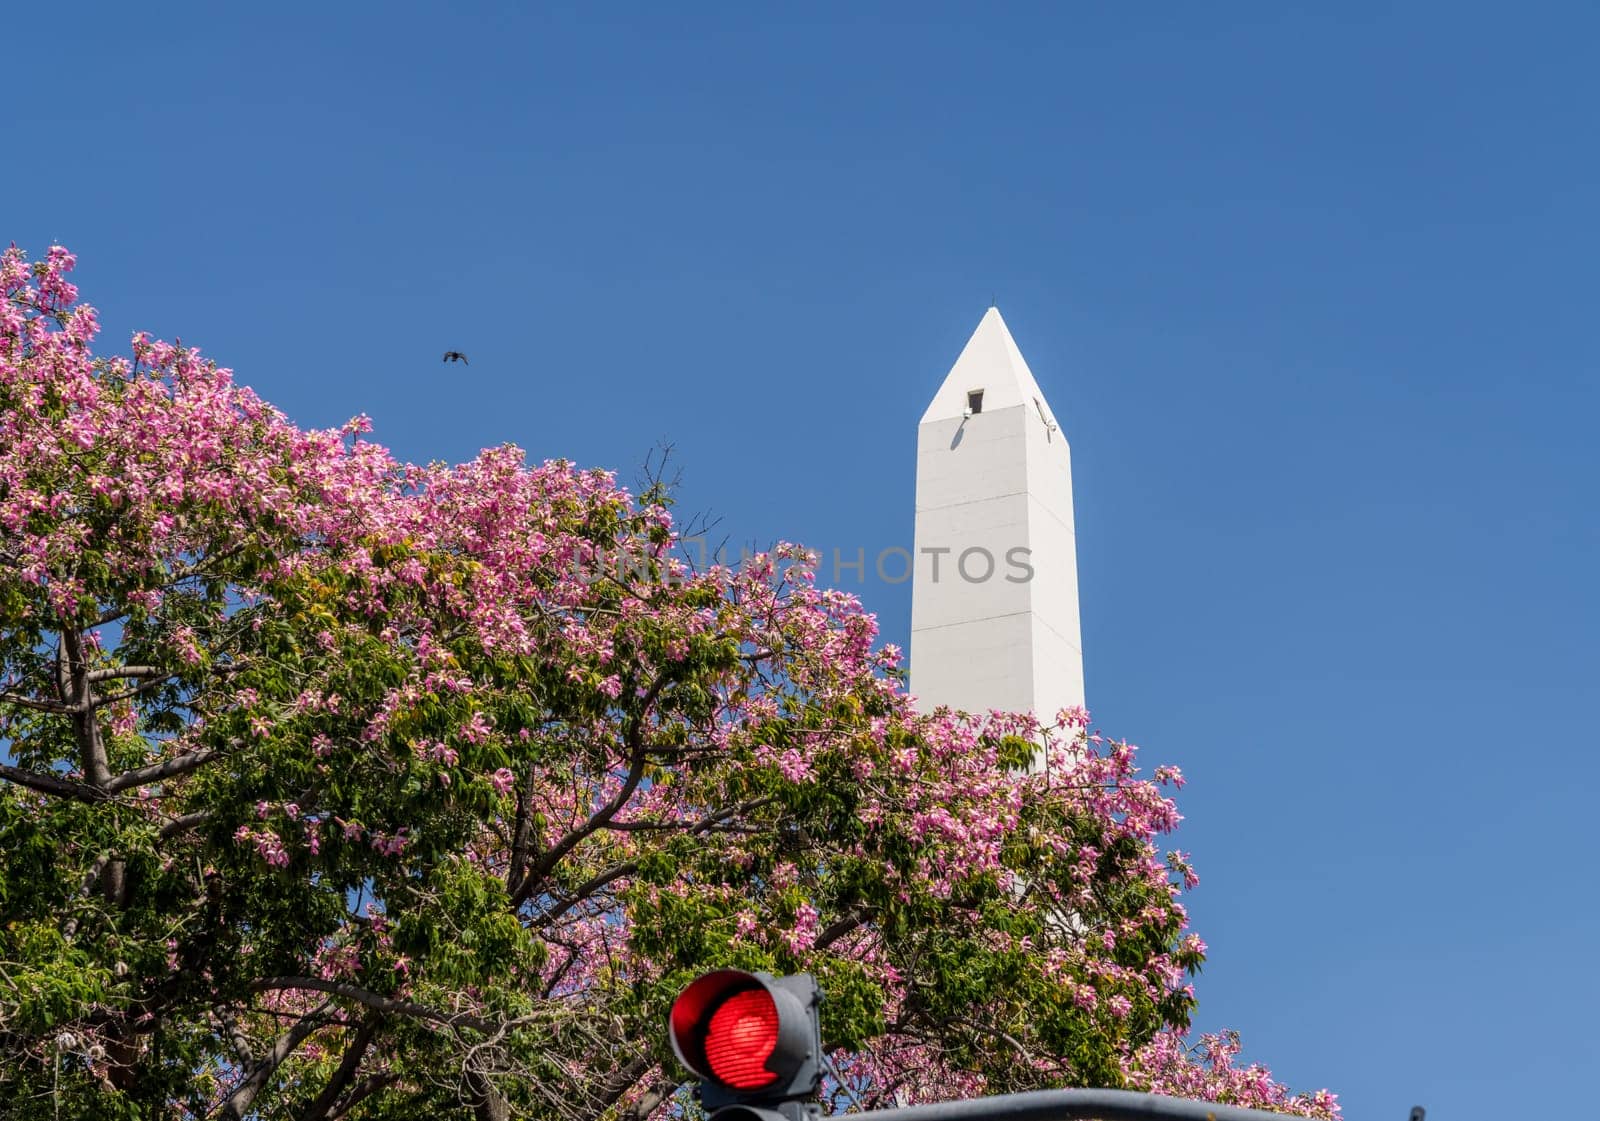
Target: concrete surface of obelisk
(994, 599)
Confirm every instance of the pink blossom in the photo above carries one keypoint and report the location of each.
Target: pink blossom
(793, 765)
(802, 935)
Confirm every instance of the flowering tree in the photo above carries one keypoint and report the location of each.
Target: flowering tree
(337, 787)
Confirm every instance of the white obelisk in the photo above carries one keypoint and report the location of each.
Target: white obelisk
(994, 595)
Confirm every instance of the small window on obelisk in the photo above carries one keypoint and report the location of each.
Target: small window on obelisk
(975, 401)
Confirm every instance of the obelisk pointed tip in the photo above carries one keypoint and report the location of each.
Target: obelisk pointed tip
(989, 364)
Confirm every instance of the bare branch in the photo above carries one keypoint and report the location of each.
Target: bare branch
(167, 768)
(362, 1092)
(238, 1102)
(486, 1102)
(376, 1002)
(706, 824)
(522, 836)
(86, 727)
(588, 888)
(236, 1036)
(180, 824)
(623, 1080)
(638, 754)
(322, 1108)
(96, 870)
(659, 1092)
(995, 1033)
(53, 784)
(851, 920)
(37, 706)
(116, 672)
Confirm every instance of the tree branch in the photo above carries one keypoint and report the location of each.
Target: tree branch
(522, 835)
(81, 700)
(851, 920)
(637, 757)
(238, 1102)
(116, 672)
(180, 824)
(362, 1092)
(322, 1108)
(704, 825)
(52, 784)
(236, 1036)
(70, 930)
(659, 1092)
(994, 1033)
(376, 1002)
(623, 1080)
(142, 687)
(38, 706)
(485, 1100)
(601, 879)
(592, 885)
(167, 768)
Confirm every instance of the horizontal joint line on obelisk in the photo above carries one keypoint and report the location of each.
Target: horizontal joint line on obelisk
(991, 618)
(1043, 509)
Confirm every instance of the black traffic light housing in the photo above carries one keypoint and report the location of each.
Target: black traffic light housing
(753, 1040)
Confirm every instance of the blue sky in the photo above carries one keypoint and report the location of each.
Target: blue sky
(1311, 290)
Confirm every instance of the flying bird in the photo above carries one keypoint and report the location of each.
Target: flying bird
(456, 356)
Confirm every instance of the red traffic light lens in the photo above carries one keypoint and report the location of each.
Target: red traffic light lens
(750, 1038)
(741, 1036)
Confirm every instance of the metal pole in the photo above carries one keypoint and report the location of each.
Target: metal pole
(1073, 1105)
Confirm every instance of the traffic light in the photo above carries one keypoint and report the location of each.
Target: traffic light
(754, 1042)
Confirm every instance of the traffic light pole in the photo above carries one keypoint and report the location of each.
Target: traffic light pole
(1072, 1105)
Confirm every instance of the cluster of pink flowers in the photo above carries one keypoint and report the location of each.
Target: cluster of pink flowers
(1206, 1071)
(385, 844)
(269, 846)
